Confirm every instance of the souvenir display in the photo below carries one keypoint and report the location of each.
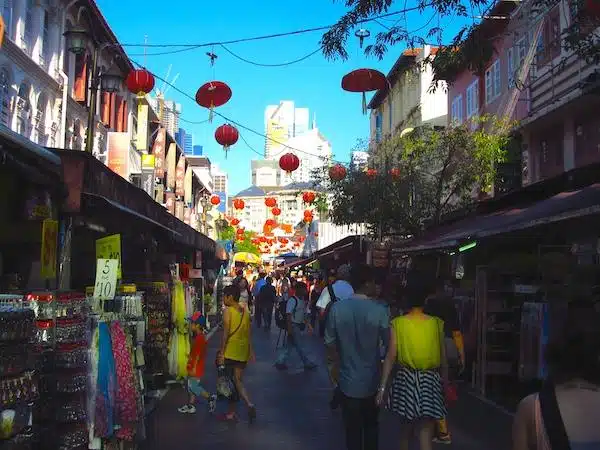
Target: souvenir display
(179, 346)
(157, 305)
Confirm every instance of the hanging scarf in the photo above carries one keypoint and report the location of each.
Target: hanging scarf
(125, 405)
(106, 386)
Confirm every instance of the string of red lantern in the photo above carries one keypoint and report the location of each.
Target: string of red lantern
(215, 200)
(238, 203)
(276, 211)
(289, 163)
(226, 135)
(337, 172)
(309, 197)
(270, 202)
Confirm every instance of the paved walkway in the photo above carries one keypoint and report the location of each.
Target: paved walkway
(294, 414)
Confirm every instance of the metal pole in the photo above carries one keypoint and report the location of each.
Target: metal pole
(89, 138)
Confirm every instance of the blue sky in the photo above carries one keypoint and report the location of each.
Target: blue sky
(313, 83)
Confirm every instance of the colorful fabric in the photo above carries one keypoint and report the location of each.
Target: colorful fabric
(107, 384)
(126, 398)
(417, 394)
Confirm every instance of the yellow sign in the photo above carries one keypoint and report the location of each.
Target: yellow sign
(49, 249)
(106, 279)
(109, 247)
(148, 162)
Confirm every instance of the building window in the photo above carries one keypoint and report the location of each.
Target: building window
(378, 126)
(473, 99)
(45, 42)
(510, 67)
(40, 120)
(493, 83)
(23, 109)
(457, 108)
(28, 34)
(4, 97)
(549, 43)
(6, 12)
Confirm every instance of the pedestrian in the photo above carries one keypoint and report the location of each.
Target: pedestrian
(256, 287)
(267, 297)
(339, 289)
(442, 306)
(417, 347)
(296, 324)
(195, 367)
(244, 287)
(236, 347)
(564, 414)
(355, 328)
(316, 291)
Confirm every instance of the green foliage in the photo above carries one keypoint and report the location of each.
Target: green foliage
(439, 170)
(228, 233)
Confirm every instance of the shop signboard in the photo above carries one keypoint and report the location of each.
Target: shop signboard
(141, 139)
(179, 209)
(109, 247)
(105, 285)
(49, 249)
(158, 150)
(187, 215)
(118, 153)
(160, 194)
(148, 162)
(171, 166)
(170, 202)
(187, 185)
(180, 177)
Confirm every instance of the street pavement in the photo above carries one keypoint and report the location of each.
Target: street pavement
(293, 412)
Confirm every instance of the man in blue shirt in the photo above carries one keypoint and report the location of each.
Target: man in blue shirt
(355, 330)
(255, 291)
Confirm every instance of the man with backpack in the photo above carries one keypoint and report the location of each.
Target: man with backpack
(293, 321)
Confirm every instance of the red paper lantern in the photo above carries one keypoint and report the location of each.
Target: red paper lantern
(213, 94)
(308, 197)
(308, 219)
(262, 239)
(276, 211)
(140, 82)
(226, 135)
(270, 202)
(395, 173)
(289, 162)
(308, 213)
(371, 173)
(270, 223)
(364, 80)
(215, 200)
(238, 203)
(240, 231)
(235, 222)
(337, 172)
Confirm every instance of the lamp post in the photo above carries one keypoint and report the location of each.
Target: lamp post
(206, 206)
(109, 81)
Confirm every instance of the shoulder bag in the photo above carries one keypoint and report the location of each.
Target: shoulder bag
(553, 422)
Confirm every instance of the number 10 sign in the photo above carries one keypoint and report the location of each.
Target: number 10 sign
(106, 279)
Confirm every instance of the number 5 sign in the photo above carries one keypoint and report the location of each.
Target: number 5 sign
(106, 279)
(109, 247)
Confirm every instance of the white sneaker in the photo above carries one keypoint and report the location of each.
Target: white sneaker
(187, 409)
(212, 403)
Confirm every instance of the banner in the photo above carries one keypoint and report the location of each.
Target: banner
(160, 194)
(148, 164)
(188, 186)
(179, 209)
(141, 139)
(158, 150)
(49, 249)
(118, 153)
(170, 202)
(109, 247)
(171, 166)
(180, 177)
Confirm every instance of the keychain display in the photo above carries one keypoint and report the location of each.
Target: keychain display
(72, 437)
(16, 323)
(42, 304)
(22, 388)
(71, 356)
(14, 359)
(71, 330)
(45, 332)
(73, 411)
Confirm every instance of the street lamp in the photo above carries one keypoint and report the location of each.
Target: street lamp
(109, 81)
(206, 206)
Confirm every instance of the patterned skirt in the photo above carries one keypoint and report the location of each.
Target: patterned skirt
(417, 394)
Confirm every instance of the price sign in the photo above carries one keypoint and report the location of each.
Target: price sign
(106, 279)
(109, 247)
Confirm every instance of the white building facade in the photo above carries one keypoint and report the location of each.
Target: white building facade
(282, 122)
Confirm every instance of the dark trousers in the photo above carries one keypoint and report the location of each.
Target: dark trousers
(361, 423)
(258, 316)
(267, 313)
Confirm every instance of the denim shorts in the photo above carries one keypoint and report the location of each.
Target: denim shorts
(195, 386)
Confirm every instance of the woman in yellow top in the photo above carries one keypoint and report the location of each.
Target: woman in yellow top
(236, 346)
(417, 346)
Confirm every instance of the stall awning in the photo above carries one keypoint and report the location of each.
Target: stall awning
(346, 242)
(563, 206)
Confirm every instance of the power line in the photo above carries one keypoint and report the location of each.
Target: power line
(303, 58)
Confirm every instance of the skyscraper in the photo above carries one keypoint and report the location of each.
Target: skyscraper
(220, 180)
(169, 112)
(282, 122)
(185, 141)
(197, 150)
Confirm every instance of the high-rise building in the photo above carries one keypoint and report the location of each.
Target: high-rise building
(185, 141)
(314, 152)
(197, 150)
(282, 122)
(360, 159)
(169, 111)
(220, 181)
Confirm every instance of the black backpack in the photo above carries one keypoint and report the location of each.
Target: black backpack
(333, 299)
(281, 314)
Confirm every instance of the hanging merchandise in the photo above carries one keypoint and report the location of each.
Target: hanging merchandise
(157, 303)
(364, 80)
(226, 135)
(179, 344)
(213, 94)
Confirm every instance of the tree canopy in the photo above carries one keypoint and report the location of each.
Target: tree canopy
(416, 178)
(471, 49)
(228, 233)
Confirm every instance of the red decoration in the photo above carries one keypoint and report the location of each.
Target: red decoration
(592, 8)
(238, 203)
(308, 219)
(215, 200)
(364, 80)
(212, 95)
(337, 172)
(289, 162)
(276, 211)
(240, 231)
(308, 197)
(270, 223)
(226, 135)
(140, 82)
(283, 240)
(395, 173)
(308, 213)
(371, 173)
(270, 202)
(262, 239)
(235, 222)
